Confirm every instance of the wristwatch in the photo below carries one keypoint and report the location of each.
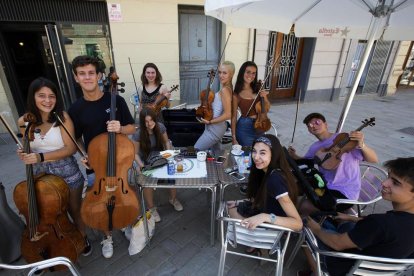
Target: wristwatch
(272, 218)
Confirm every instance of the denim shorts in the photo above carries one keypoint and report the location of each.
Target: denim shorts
(66, 168)
(245, 131)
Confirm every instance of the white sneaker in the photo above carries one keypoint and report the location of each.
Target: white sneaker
(177, 205)
(155, 214)
(107, 247)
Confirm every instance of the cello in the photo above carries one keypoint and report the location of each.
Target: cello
(262, 122)
(330, 158)
(110, 203)
(43, 200)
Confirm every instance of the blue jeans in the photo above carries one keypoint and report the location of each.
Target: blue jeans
(245, 131)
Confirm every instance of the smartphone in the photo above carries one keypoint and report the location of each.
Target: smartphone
(237, 175)
(220, 159)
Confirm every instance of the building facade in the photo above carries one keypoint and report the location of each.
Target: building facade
(40, 38)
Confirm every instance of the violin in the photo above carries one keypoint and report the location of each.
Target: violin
(110, 203)
(161, 101)
(43, 200)
(205, 110)
(262, 122)
(330, 158)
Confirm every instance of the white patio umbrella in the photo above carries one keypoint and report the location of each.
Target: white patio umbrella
(357, 19)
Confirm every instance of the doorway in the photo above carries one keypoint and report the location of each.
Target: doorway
(286, 51)
(25, 56)
(31, 50)
(199, 52)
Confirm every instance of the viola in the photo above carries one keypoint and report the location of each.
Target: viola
(205, 110)
(110, 203)
(330, 158)
(262, 122)
(43, 200)
(161, 100)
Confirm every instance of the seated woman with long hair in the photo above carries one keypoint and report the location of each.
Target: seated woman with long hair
(271, 188)
(152, 136)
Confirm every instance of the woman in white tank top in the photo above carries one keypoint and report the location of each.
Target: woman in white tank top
(52, 149)
(215, 128)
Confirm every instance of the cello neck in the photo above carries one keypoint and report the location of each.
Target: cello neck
(111, 159)
(31, 192)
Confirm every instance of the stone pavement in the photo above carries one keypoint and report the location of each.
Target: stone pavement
(181, 242)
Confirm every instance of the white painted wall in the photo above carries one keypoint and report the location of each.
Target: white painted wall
(149, 32)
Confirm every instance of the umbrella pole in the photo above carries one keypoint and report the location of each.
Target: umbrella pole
(378, 25)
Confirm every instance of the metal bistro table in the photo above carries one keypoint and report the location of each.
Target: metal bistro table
(226, 179)
(210, 182)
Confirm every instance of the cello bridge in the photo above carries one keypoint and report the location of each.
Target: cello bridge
(38, 236)
(110, 189)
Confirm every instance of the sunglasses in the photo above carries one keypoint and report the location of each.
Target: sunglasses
(313, 123)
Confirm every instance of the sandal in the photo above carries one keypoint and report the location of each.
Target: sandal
(252, 250)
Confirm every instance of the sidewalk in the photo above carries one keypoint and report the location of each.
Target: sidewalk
(180, 245)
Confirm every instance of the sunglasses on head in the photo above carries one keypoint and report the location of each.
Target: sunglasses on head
(313, 123)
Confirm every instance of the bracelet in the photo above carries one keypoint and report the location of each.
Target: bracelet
(361, 147)
(42, 157)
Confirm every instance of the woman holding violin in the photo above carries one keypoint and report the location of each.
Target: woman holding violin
(91, 118)
(52, 148)
(152, 136)
(244, 98)
(152, 87)
(216, 127)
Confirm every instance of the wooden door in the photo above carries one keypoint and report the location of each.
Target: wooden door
(199, 52)
(288, 50)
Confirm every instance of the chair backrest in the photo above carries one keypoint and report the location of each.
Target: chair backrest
(364, 265)
(371, 178)
(261, 237)
(44, 264)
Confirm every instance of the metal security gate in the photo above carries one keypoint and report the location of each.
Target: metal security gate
(377, 66)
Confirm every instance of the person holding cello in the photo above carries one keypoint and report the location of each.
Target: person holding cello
(345, 180)
(152, 87)
(216, 127)
(52, 148)
(152, 136)
(91, 117)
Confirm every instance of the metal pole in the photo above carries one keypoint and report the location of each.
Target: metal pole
(379, 23)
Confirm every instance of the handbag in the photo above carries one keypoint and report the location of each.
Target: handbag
(136, 233)
(155, 160)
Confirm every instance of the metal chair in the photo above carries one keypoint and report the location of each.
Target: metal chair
(265, 236)
(44, 264)
(364, 265)
(371, 178)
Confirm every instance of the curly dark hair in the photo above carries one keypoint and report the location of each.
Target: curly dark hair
(240, 77)
(145, 143)
(34, 87)
(256, 187)
(158, 78)
(81, 61)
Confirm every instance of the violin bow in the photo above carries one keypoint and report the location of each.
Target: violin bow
(296, 116)
(13, 135)
(221, 57)
(271, 66)
(133, 76)
(70, 135)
